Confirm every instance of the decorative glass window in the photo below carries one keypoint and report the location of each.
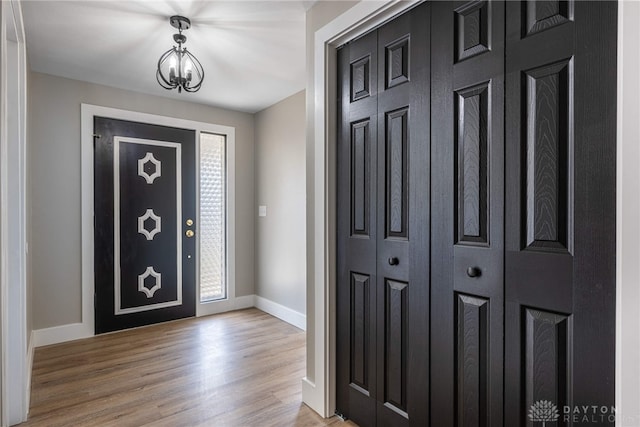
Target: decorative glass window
(213, 277)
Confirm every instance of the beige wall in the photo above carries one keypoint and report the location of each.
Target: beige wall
(280, 186)
(54, 175)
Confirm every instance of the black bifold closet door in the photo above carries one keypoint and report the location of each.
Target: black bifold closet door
(383, 223)
(476, 216)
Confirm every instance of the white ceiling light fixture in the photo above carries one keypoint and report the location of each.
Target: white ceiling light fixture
(177, 67)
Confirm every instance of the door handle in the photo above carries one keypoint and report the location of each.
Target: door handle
(394, 260)
(474, 272)
(189, 233)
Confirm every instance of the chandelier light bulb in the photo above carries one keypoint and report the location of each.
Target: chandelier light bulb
(172, 69)
(187, 69)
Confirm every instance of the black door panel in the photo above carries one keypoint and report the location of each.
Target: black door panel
(467, 218)
(560, 206)
(383, 217)
(144, 192)
(476, 214)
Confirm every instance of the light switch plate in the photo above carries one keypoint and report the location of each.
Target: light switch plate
(262, 210)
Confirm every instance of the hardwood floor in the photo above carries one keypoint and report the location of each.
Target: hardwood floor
(242, 368)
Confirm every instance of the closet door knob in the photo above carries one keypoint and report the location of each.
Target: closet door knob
(474, 272)
(394, 260)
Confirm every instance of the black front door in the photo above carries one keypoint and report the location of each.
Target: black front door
(144, 211)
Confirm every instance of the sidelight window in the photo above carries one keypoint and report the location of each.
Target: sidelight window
(213, 194)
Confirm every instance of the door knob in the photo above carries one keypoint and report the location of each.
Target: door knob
(189, 233)
(189, 222)
(474, 272)
(394, 260)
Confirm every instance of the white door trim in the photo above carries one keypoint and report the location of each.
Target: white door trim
(318, 387)
(87, 327)
(14, 375)
(627, 214)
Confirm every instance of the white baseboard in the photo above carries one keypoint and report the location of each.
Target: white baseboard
(59, 334)
(75, 331)
(293, 317)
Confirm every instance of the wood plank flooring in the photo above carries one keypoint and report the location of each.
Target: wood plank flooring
(242, 368)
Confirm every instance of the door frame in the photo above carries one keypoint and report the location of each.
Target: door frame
(16, 346)
(318, 386)
(627, 214)
(86, 328)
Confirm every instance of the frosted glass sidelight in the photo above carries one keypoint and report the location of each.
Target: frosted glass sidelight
(213, 283)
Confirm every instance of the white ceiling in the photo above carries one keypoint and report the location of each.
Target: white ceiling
(253, 52)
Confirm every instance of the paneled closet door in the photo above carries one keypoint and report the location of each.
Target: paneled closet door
(560, 209)
(559, 183)
(467, 213)
(383, 224)
(357, 231)
(476, 251)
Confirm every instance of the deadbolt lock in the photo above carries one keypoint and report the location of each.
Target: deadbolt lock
(189, 222)
(189, 233)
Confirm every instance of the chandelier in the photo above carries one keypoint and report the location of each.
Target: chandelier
(177, 67)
